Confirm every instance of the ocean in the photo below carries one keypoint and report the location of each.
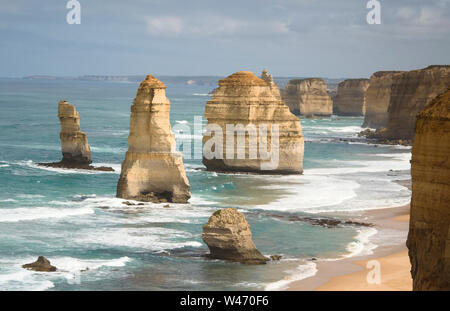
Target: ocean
(73, 218)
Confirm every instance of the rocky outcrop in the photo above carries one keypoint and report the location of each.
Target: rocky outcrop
(152, 170)
(378, 96)
(228, 237)
(350, 98)
(429, 231)
(74, 143)
(249, 105)
(308, 97)
(273, 86)
(42, 264)
(410, 93)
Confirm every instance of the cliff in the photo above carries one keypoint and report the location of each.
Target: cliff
(308, 97)
(249, 104)
(378, 96)
(228, 237)
(410, 93)
(152, 171)
(350, 97)
(429, 232)
(273, 86)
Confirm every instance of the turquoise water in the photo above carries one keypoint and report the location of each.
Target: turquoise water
(72, 217)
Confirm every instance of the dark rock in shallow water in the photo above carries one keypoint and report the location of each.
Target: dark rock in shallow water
(75, 165)
(276, 257)
(42, 264)
(320, 221)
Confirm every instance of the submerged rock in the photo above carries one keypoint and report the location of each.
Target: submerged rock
(429, 229)
(74, 143)
(308, 97)
(152, 170)
(350, 98)
(228, 237)
(253, 107)
(42, 264)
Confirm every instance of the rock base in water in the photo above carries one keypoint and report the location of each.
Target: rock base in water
(228, 237)
(76, 165)
(378, 137)
(42, 264)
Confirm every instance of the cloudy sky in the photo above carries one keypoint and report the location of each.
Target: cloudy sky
(326, 38)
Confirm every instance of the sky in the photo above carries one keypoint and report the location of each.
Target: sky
(303, 38)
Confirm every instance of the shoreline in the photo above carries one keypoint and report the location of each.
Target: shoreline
(350, 273)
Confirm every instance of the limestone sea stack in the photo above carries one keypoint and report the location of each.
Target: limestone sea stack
(350, 98)
(152, 170)
(378, 96)
(429, 229)
(308, 97)
(74, 143)
(410, 93)
(245, 101)
(228, 237)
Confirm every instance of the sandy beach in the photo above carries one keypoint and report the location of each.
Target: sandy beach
(391, 260)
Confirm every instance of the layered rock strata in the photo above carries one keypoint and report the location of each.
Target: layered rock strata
(429, 231)
(410, 93)
(228, 237)
(252, 130)
(74, 143)
(308, 97)
(378, 96)
(152, 171)
(350, 98)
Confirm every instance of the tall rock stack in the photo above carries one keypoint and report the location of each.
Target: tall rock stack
(308, 97)
(378, 96)
(350, 99)
(429, 230)
(74, 142)
(243, 99)
(410, 93)
(152, 170)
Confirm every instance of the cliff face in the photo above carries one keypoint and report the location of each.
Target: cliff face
(350, 97)
(269, 80)
(74, 142)
(308, 97)
(228, 237)
(378, 96)
(246, 101)
(410, 92)
(429, 232)
(152, 170)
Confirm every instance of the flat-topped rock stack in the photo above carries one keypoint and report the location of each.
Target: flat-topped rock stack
(378, 96)
(152, 170)
(308, 97)
(350, 99)
(246, 101)
(429, 228)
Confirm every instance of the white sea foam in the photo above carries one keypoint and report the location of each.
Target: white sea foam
(8, 200)
(363, 245)
(4, 165)
(36, 213)
(302, 272)
(182, 122)
(201, 94)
